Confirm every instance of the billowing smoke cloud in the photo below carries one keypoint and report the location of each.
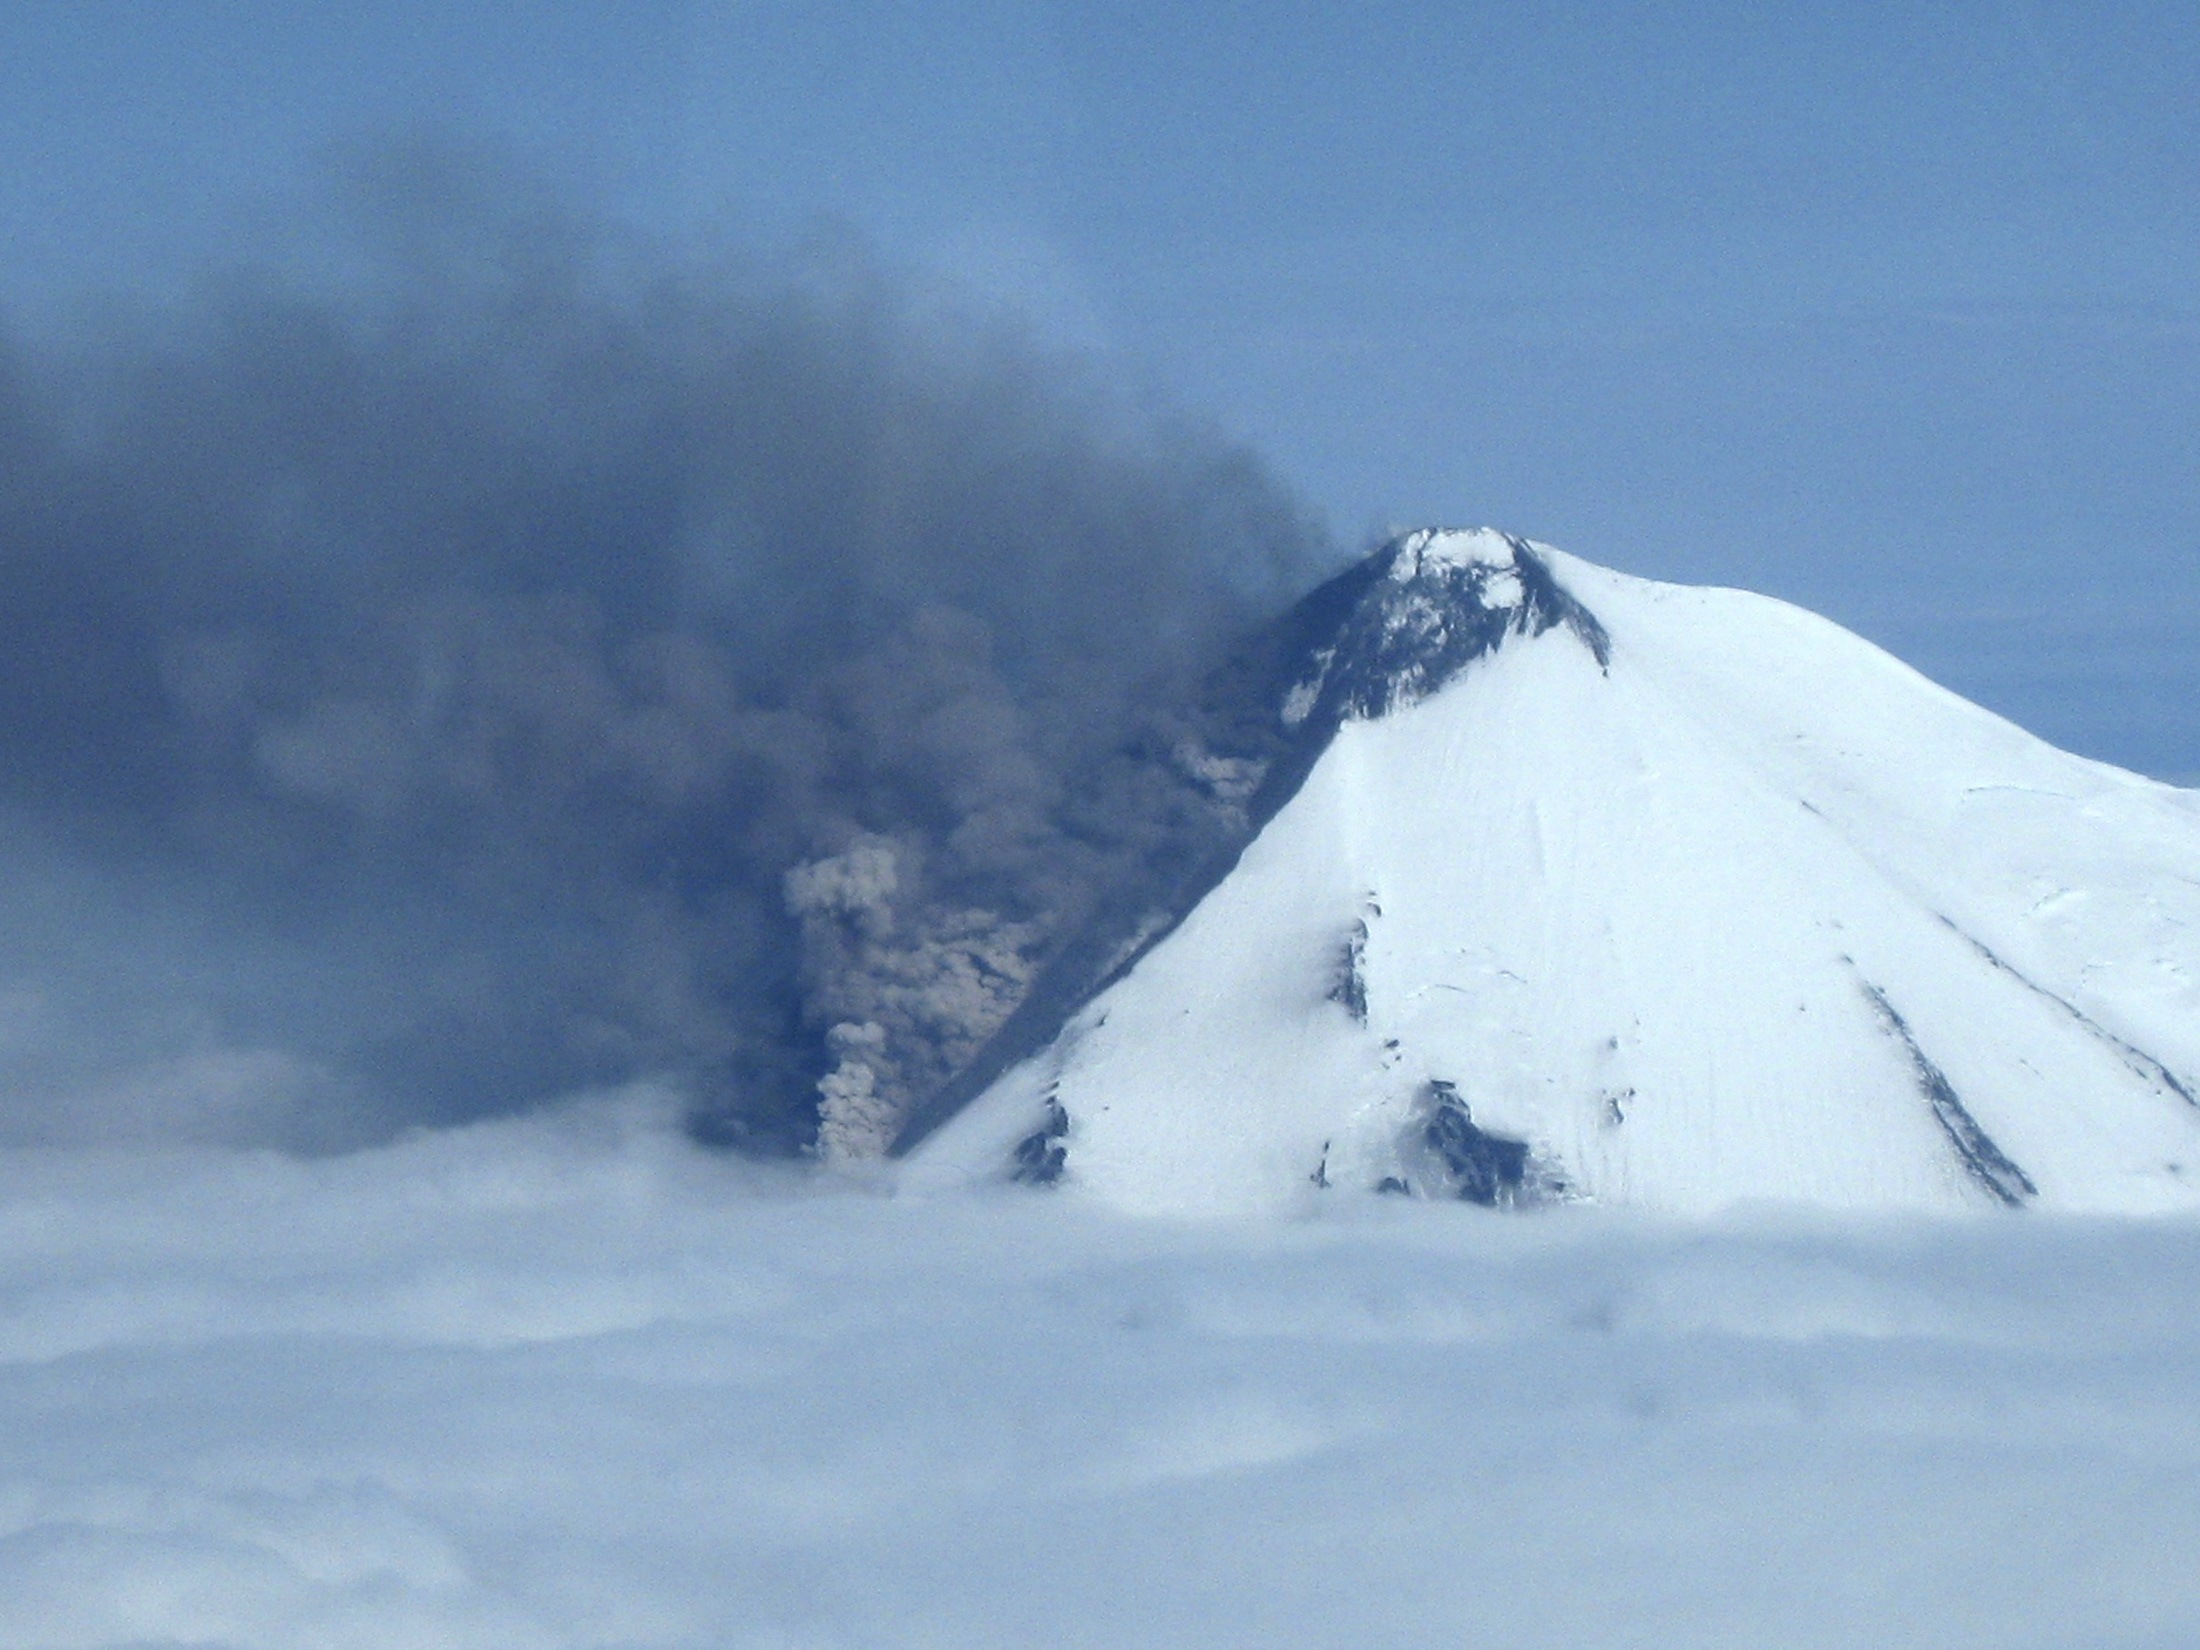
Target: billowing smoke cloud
(547, 662)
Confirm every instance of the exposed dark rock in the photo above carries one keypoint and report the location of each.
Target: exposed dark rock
(1041, 1156)
(2138, 1060)
(1982, 1159)
(1348, 984)
(1484, 1168)
(1426, 619)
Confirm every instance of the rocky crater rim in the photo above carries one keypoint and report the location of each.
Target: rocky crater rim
(1434, 549)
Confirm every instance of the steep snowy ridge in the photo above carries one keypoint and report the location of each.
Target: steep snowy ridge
(1569, 885)
(1380, 635)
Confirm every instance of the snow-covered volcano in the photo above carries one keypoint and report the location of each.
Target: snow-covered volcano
(1577, 886)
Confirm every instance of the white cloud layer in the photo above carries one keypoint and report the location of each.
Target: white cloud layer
(570, 1382)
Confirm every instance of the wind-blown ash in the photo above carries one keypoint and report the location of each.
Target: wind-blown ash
(1387, 631)
(545, 662)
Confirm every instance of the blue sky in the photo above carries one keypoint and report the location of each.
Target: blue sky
(1891, 310)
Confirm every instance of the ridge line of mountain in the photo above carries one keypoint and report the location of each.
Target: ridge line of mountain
(1386, 632)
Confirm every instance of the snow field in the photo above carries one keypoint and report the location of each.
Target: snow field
(1753, 912)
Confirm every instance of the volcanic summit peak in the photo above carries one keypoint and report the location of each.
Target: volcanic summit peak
(1431, 548)
(1478, 564)
(1428, 604)
(1630, 893)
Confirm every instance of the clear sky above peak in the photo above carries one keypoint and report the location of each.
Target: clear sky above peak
(1892, 311)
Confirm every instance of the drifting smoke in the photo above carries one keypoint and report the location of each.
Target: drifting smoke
(545, 664)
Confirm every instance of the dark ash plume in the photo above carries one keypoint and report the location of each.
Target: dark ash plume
(544, 664)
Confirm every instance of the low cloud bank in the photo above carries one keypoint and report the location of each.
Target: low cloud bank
(537, 660)
(570, 1380)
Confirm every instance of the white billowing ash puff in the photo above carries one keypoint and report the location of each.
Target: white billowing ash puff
(1564, 885)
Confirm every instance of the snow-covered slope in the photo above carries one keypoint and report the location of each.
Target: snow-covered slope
(1611, 890)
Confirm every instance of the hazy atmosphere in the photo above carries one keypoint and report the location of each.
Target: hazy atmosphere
(1893, 313)
(588, 585)
(498, 490)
